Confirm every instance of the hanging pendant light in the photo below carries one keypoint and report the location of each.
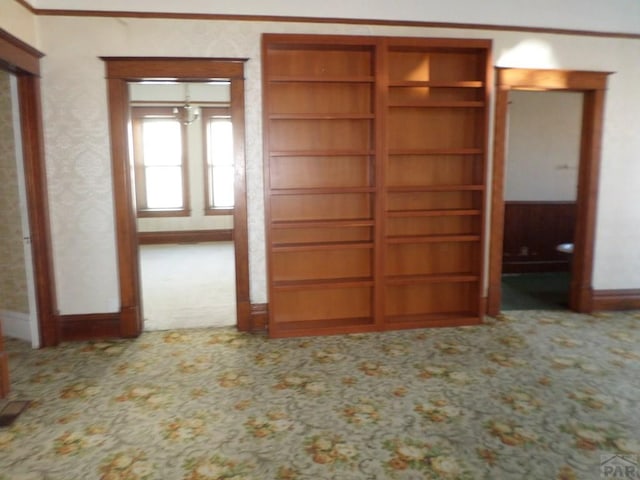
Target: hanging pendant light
(187, 113)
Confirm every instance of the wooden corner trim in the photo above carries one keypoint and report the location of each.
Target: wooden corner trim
(18, 54)
(628, 299)
(26, 5)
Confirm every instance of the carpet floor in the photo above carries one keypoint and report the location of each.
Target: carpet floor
(536, 291)
(188, 285)
(535, 394)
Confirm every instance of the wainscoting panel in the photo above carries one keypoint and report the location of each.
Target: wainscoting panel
(532, 230)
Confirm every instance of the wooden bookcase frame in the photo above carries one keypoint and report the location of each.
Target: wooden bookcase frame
(362, 134)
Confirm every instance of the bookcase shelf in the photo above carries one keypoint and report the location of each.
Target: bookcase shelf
(327, 79)
(375, 183)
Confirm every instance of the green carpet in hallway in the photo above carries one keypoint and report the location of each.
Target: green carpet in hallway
(535, 291)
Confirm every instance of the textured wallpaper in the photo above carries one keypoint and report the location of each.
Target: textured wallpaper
(77, 133)
(13, 280)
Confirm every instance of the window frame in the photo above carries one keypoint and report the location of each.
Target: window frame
(206, 113)
(138, 115)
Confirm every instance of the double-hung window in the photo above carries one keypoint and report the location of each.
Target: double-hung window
(219, 169)
(160, 158)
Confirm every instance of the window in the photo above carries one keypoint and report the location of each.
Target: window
(160, 154)
(219, 174)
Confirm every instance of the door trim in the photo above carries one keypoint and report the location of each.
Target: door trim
(120, 71)
(593, 86)
(24, 61)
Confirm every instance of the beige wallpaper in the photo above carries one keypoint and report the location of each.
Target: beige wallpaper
(77, 133)
(13, 280)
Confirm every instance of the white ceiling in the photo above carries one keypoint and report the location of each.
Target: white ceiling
(622, 16)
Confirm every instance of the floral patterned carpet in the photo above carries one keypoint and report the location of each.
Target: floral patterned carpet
(536, 395)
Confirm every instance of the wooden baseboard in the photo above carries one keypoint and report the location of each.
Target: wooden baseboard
(616, 300)
(89, 326)
(186, 236)
(4, 375)
(96, 326)
(259, 317)
(4, 367)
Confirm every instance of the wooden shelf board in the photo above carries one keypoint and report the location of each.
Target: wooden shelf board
(434, 188)
(463, 277)
(433, 213)
(438, 84)
(320, 190)
(320, 79)
(354, 222)
(436, 151)
(322, 116)
(294, 247)
(321, 153)
(317, 284)
(438, 104)
(433, 238)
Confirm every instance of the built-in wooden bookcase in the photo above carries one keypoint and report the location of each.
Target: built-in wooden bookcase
(375, 181)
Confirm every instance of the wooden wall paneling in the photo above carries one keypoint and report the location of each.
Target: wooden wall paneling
(532, 231)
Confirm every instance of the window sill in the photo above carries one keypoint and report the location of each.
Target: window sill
(168, 212)
(218, 211)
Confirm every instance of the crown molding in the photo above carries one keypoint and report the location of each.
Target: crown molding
(332, 20)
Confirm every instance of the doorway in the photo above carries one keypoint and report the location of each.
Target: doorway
(541, 175)
(592, 86)
(23, 63)
(17, 288)
(120, 73)
(182, 137)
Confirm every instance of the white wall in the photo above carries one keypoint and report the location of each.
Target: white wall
(543, 150)
(77, 141)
